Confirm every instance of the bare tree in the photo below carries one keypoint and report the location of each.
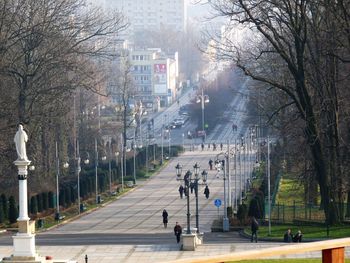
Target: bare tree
(283, 53)
(48, 50)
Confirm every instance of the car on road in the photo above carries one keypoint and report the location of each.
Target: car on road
(179, 122)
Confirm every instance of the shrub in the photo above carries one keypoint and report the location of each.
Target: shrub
(33, 205)
(40, 202)
(242, 213)
(67, 196)
(5, 206)
(51, 200)
(45, 199)
(229, 211)
(2, 216)
(62, 197)
(13, 212)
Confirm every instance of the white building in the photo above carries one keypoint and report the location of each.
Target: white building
(155, 76)
(151, 14)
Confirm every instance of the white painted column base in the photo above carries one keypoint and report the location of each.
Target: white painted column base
(199, 239)
(24, 245)
(189, 242)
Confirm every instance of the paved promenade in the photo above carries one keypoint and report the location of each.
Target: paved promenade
(139, 212)
(149, 253)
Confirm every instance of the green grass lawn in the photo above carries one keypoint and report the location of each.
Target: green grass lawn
(312, 232)
(290, 190)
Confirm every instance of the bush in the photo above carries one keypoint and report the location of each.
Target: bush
(45, 199)
(5, 206)
(229, 211)
(51, 200)
(62, 198)
(2, 214)
(242, 213)
(40, 202)
(13, 212)
(33, 205)
(67, 196)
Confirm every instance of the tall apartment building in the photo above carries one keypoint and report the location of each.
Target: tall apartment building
(151, 14)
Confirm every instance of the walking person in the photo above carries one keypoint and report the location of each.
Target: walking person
(177, 232)
(211, 164)
(202, 145)
(206, 192)
(165, 218)
(181, 191)
(221, 145)
(254, 228)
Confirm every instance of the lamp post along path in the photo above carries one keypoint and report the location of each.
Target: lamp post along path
(203, 99)
(190, 240)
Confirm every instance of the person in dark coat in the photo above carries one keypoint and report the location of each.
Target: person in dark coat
(181, 191)
(177, 232)
(211, 164)
(192, 185)
(288, 237)
(165, 218)
(206, 192)
(254, 228)
(298, 236)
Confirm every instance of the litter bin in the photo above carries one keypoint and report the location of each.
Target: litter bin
(40, 223)
(82, 207)
(98, 199)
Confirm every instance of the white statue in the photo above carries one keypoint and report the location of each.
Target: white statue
(20, 140)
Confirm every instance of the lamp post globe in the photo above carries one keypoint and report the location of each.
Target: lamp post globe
(204, 176)
(178, 168)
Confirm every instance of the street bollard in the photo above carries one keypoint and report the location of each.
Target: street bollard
(86, 259)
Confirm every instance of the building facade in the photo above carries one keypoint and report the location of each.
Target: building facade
(151, 15)
(155, 75)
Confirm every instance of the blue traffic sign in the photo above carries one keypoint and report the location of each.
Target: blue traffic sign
(217, 202)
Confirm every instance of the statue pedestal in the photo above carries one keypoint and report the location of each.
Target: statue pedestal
(189, 242)
(24, 245)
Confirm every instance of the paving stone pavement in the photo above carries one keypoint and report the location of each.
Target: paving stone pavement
(149, 253)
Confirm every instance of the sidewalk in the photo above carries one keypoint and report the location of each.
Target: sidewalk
(150, 253)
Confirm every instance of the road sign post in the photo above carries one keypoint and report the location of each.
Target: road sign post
(217, 203)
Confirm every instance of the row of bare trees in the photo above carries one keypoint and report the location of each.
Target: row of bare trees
(299, 50)
(51, 51)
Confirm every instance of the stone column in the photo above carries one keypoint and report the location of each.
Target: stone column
(24, 240)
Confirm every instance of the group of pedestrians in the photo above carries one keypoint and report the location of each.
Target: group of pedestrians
(177, 228)
(289, 237)
(213, 146)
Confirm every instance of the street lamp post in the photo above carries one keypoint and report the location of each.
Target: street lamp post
(96, 168)
(187, 179)
(162, 137)
(183, 142)
(134, 150)
(268, 180)
(78, 169)
(203, 99)
(65, 165)
(109, 166)
(225, 221)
